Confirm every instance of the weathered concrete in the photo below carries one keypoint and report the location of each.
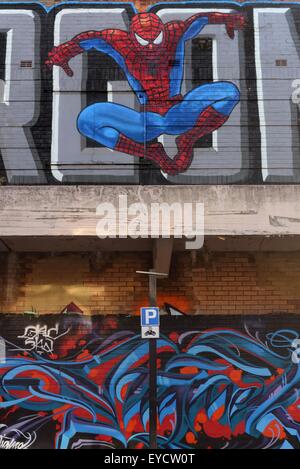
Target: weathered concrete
(71, 210)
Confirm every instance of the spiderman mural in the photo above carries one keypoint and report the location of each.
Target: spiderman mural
(151, 54)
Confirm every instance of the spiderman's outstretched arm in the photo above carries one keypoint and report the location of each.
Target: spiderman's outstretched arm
(62, 54)
(193, 25)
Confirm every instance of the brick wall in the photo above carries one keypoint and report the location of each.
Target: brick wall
(228, 283)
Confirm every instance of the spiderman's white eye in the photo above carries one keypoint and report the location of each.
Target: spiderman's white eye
(159, 39)
(141, 41)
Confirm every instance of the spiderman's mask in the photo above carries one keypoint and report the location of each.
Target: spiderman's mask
(147, 32)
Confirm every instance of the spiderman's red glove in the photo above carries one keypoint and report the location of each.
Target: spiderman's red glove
(62, 54)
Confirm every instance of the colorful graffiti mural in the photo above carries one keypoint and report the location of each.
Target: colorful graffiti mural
(185, 93)
(223, 382)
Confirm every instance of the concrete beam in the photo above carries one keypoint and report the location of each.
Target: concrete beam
(162, 255)
(89, 244)
(71, 210)
(74, 244)
(3, 247)
(253, 243)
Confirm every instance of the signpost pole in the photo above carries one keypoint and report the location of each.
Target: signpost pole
(150, 328)
(152, 373)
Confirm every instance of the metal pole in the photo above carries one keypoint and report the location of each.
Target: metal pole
(152, 373)
(152, 361)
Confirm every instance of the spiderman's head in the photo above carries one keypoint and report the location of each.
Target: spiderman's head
(147, 32)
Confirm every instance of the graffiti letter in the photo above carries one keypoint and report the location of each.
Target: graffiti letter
(277, 68)
(229, 147)
(19, 100)
(72, 159)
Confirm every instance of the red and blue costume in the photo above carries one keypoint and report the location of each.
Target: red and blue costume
(151, 54)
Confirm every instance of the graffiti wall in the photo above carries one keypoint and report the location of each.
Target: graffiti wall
(82, 382)
(186, 93)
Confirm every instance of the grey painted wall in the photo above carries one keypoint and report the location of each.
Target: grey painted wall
(39, 139)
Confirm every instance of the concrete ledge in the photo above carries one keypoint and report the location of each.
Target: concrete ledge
(223, 243)
(71, 210)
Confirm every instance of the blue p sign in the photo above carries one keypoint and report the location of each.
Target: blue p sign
(150, 316)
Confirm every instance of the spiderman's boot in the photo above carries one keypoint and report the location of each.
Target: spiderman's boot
(154, 152)
(209, 120)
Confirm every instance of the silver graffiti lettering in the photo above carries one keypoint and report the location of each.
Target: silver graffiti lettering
(41, 338)
(12, 438)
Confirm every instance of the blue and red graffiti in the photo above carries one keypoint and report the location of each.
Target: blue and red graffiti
(218, 387)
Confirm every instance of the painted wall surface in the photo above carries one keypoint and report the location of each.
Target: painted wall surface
(186, 93)
(82, 382)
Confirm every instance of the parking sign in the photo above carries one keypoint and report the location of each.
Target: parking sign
(150, 322)
(150, 316)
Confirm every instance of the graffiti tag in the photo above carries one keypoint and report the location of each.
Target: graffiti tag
(41, 338)
(12, 442)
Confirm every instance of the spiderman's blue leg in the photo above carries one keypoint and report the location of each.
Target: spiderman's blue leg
(123, 130)
(221, 97)
(202, 111)
(106, 122)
